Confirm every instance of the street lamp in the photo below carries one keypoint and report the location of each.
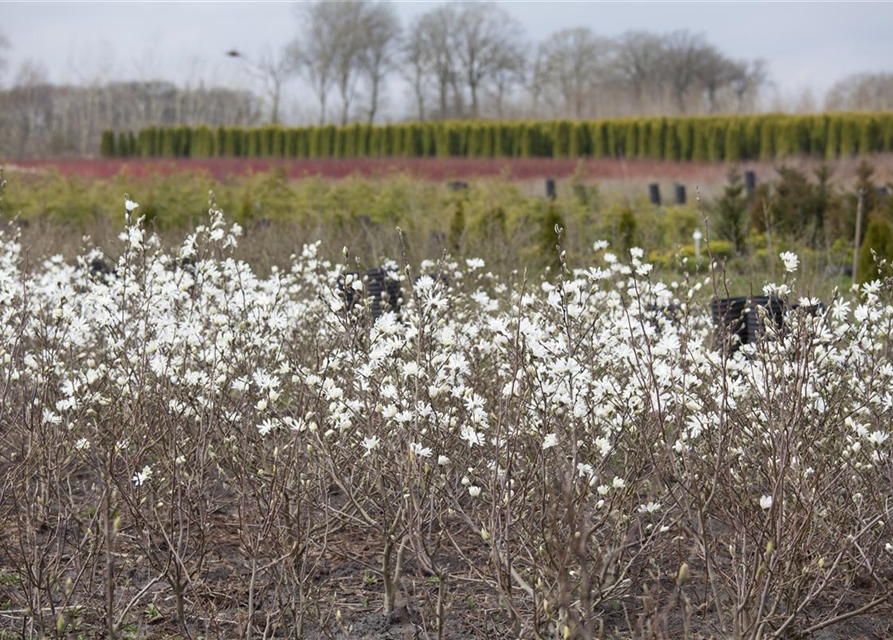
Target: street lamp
(697, 235)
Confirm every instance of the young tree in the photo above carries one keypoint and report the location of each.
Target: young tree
(823, 201)
(732, 210)
(878, 244)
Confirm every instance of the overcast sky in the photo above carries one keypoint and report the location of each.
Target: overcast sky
(807, 45)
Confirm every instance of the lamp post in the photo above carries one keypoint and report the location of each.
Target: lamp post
(697, 235)
(857, 240)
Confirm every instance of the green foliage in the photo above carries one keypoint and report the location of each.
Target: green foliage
(504, 221)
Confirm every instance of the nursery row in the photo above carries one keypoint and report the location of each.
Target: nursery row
(191, 448)
(697, 138)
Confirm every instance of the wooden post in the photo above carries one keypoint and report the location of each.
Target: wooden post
(856, 240)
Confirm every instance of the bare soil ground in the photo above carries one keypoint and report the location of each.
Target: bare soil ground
(346, 596)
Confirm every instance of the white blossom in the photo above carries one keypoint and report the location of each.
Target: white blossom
(790, 260)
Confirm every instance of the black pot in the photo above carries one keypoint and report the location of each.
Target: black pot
(728, 316)
(749, 317)
(763, 312)
(384, 293)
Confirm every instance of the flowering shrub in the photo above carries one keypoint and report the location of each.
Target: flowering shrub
(576, 457)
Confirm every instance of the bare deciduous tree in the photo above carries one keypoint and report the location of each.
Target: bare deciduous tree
(863, 91)
(748, 82)
(509, 72)
(575, 63)
(4, 47)
(379, 54)
(485, 40)
(417, 62)
(682, 53)
(347, 19)
(344, 42)
(638, 58)
(715, 71)
(435, 29)
(314, 52)
(273, 71)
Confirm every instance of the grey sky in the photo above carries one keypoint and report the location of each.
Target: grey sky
(807, 45)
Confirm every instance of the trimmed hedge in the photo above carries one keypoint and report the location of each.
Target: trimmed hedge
(700, 138)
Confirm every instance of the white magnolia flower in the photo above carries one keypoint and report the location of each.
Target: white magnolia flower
(584, 469)
(370, 444)
(135, 237)
(618, 482)
(766, 502)
(791, 261)
(140, 477)
(419, 450)
(442, 460)
(550, 441)
(878, 437)
(266, 427)
(474, 491)
(651, 507)
(130, 205)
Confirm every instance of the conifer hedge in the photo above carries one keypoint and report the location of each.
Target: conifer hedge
(697, 138)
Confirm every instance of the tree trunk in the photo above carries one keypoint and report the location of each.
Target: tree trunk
(444, 90)
(373, 100)
(473, 89)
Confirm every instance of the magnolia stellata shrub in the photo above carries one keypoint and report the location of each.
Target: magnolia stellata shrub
(581, 448)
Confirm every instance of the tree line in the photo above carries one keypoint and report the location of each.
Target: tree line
(470, 60)
(697, 138)
(40, 119)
